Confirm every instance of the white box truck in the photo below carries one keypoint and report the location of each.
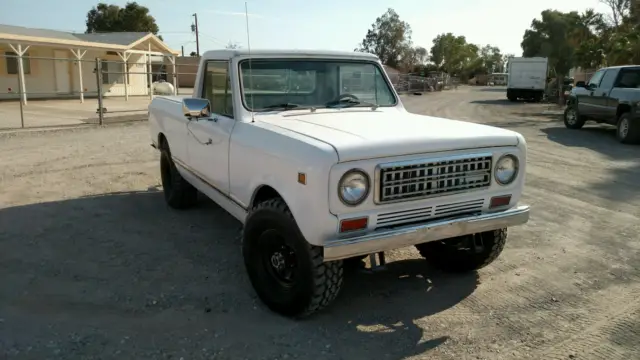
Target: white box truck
(527, 78)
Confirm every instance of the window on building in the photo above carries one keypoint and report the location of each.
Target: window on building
(112, 72)
(12, 63)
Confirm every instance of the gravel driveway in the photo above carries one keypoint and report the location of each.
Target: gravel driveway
(93, 265)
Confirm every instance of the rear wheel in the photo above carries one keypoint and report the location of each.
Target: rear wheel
(178, 193)
(465, 253)
(628, 130)
(288, 274)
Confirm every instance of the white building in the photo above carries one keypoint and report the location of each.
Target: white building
(40, 63)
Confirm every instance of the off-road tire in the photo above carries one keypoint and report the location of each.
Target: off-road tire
(579, 119)
(317, 282)
(178, 193)
(632, 134)
(443, 255)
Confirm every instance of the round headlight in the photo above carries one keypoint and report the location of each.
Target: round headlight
(506, 169)
(353, 187)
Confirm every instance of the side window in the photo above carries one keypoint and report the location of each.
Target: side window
(608, 79)
(629, 79)
(217, 87)
(595, 79)
(12, 63)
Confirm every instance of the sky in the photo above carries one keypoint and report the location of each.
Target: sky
(306, 24)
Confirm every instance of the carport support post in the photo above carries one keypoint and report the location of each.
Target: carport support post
(99, 82)
(173, 72)
(150, 71)
(20, 51)
(79, 54)
(125, 57)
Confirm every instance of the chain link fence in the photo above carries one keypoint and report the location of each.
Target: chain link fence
(410, 83)
(63, 91)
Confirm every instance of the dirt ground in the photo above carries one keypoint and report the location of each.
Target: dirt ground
(94, 265)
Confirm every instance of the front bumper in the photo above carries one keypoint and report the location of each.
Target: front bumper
(384, 240)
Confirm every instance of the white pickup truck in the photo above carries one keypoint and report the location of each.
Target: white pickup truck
(315, 154)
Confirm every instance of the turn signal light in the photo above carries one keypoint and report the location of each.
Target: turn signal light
(353, 224)
(499, 201)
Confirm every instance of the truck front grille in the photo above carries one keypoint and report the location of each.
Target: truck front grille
(405, 181)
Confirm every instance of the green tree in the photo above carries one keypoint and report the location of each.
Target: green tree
(491, 58)
(112, 18)
(505, 61)
(390, 39)
(455, 56)
(555, 36)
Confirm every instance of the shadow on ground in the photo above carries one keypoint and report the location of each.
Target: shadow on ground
(138, 115)
(491, 89)
(545, 114)
(122, 274)
(501, 102)
(621, 183)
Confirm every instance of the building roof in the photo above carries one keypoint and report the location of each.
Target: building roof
(117, 40)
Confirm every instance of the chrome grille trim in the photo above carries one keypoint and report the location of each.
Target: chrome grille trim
(428, 213)
(427, 178)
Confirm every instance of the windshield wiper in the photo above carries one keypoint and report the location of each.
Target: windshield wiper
(349, 102)
(282, 106)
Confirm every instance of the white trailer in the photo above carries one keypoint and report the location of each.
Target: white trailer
(527, 78)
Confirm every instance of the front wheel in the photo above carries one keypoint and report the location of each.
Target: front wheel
(288, 274)
(465, 253)
(572, 119)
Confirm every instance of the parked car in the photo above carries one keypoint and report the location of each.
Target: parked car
(318, 176)
(611, 97)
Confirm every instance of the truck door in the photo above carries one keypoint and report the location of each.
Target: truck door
(629, 78)
(606, 104)
(586, 103)
(208, 139)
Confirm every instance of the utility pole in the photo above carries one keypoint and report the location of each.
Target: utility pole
(195, 29)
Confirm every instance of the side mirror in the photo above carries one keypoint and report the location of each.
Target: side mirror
(196, 108)
(581, 84)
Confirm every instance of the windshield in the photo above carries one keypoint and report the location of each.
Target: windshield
(303, 83)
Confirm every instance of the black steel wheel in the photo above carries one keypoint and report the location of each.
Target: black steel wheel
(178, 193)
(289, 275)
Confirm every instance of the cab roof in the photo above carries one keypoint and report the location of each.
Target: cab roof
(231, 53)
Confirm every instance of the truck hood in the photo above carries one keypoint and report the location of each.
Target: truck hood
(361, 134)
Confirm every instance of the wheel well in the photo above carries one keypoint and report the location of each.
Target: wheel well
(264, 193)
(622, 109)
(162, 141)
